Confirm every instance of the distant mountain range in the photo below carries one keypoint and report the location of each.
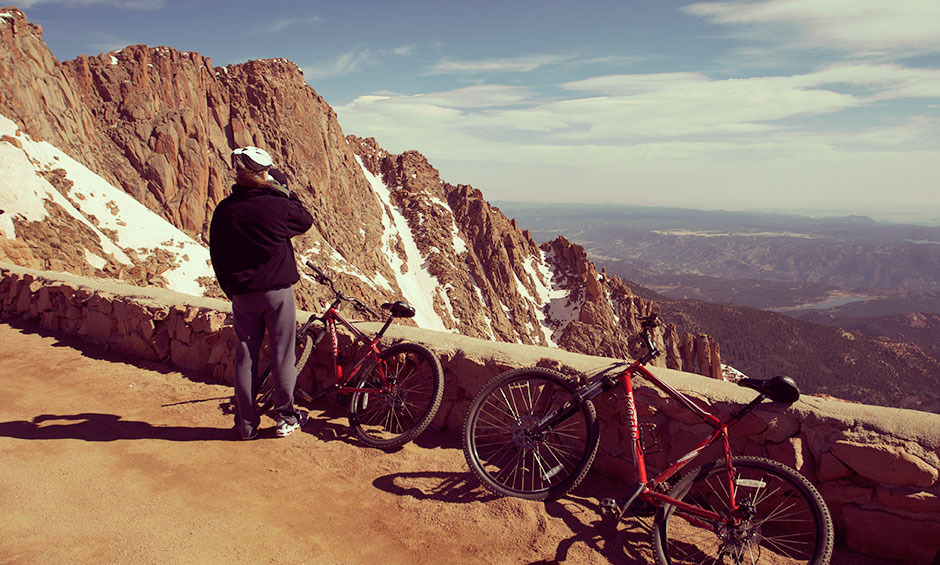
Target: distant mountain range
(723, 273)
(851, 254)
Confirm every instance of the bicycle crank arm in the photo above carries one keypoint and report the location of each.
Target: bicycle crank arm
(620, 509)
(323, 392)
(304, 396)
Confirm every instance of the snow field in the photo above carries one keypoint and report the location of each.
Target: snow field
(23, 192)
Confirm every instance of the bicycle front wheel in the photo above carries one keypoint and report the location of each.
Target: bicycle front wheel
(410, 384)
(302, 350)
(511, 457)
(781, 518)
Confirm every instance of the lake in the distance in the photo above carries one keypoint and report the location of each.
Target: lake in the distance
(825, 304)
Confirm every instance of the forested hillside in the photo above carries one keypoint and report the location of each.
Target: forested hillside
(823, 359)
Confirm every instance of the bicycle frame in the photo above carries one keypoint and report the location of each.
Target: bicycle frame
(330, 319)
(646, 487)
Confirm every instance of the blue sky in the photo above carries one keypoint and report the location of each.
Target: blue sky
(829, 106)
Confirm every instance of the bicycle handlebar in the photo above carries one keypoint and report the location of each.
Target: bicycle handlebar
(322, 278)
(649, 322)
(317, 270)
(361, 306)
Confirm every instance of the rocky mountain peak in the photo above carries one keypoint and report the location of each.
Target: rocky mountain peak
(158, 125)
(409, 171)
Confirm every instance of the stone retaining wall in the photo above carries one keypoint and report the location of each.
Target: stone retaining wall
(876, 467)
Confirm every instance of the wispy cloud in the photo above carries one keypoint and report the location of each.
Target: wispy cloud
(403, 51)
(512, 65)
(126, 4)
(354, 60)
(657, 112)
(346, 63)
(479, 96)
(284, 23)
(878, 82)
(862, 28)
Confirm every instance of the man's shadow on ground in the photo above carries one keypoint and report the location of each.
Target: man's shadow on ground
(110, 427)
(91, 426)
(106, 427)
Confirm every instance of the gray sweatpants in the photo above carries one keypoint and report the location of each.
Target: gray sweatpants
(254, 312)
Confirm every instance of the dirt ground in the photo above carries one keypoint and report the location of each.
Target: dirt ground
(107, 461)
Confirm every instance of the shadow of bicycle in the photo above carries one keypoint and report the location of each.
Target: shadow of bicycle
(623, 541)
(90, 426)
(626, 541)
(458, 488)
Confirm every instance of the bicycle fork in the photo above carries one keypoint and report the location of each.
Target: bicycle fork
(564, 411)
(530, 432)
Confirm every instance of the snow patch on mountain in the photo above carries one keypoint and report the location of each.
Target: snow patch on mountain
(94, 202)
(549, 295)
(417, 284)
(562, 306)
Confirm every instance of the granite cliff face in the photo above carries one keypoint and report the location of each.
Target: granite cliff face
(160, 124)
(498, 283)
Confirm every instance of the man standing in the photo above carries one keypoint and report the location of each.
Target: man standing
(250, 246)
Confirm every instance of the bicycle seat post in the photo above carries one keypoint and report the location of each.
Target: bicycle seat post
(385, 326)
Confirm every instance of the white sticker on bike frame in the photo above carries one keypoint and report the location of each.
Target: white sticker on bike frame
(750, 483)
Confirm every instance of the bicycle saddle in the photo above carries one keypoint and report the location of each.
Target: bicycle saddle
(778, 389)
(400, 309)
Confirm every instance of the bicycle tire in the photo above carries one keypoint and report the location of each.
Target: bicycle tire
(785, 520)
(511, 462)
(302, 351)
(406, 406)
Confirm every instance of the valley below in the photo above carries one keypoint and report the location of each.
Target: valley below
(848, 306)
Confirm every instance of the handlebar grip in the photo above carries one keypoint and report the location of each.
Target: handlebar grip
(651, 319)
(315, 269)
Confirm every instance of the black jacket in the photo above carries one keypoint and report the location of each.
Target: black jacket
(249, 239)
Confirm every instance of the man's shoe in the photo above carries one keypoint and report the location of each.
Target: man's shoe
(252, 435)
(284, 429)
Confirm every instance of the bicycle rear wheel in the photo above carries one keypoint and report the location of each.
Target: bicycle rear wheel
(302, 352)
(782, 519)
(411, 393)
(504, 452)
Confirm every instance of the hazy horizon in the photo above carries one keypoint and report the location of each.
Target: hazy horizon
(911, 218)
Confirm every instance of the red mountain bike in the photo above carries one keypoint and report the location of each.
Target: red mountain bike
(533, 433)
(395, 392)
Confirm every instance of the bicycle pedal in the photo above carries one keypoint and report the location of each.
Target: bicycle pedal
(609, 506)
